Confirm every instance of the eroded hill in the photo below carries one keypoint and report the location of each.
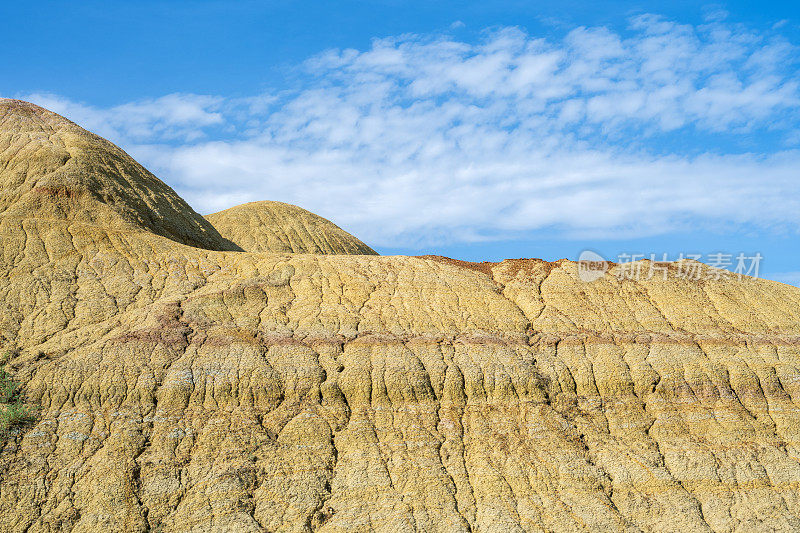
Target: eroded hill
(53, 169)
(188, 388)
(284, 228)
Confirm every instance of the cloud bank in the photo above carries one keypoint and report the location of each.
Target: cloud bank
(425, 139)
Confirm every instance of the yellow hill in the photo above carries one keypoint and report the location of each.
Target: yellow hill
(284, 228)
(50, 168)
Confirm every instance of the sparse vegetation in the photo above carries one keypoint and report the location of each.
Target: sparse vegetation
(13, 411)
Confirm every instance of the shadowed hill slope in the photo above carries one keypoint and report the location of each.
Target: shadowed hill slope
(284, 228)
(184, 389)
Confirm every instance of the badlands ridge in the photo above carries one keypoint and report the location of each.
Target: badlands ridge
(262, 370)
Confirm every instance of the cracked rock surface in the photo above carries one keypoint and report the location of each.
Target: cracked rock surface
(186, 386)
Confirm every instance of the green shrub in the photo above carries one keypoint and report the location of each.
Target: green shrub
(12, 415)
(8, 387)
(12, 411)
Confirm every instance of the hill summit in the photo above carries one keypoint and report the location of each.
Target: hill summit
(53, 169)
(284, 228)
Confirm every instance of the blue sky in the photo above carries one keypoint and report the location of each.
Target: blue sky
(478, 130)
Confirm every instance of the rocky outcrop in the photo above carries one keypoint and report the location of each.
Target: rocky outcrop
(284, 228)
(185, 388)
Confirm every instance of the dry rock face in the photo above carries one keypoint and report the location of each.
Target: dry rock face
(186, 386)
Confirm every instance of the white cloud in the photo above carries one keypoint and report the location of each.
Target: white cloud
(424, 139)
(173, 117)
